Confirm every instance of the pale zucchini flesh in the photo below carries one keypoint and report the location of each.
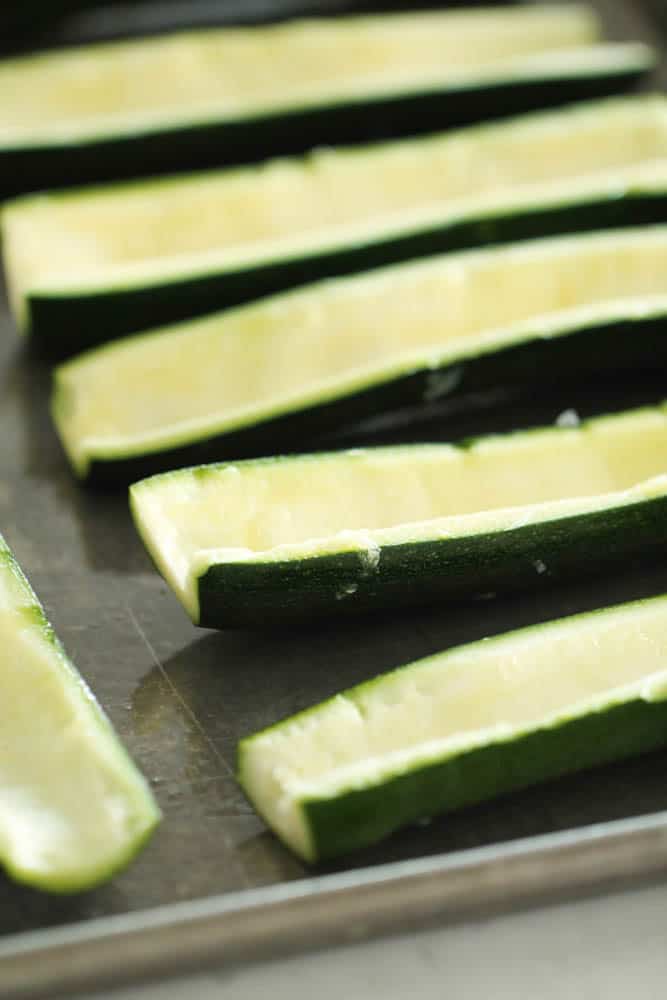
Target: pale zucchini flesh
(318, 357)
(199, 235)
(461, 727)
(233, 95)
(288, 539)
(245, 72)
(73, 807)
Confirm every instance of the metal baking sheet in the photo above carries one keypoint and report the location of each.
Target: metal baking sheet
(214, 883)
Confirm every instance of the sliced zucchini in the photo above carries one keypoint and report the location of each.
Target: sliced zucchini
(288, 539)
(232, 94)
(89, 265)
(269, 376)
(73, 807)
(461, 727)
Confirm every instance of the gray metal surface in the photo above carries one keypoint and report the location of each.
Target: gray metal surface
(181, 698)
(328, 912)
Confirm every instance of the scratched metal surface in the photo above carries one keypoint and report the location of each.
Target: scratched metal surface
(181, 698)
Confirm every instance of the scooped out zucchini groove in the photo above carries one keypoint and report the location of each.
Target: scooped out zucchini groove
(87, 266)
(282, 540)
(232, 94)
(463, 726)
(73, 807)
(272, 375)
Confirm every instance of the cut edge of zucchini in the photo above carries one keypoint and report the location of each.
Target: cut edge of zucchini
(18, 598)
(649, 177)
(184, 569)
(289, 802)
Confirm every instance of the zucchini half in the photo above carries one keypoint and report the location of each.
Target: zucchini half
(270, 376)
(90, 265)
(231, 94)
(73, 807)
(281, 540)
(461, 727)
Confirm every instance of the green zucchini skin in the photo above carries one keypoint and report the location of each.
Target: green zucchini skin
(636, 343)
(28, 18)
(415, 573)
(147, 814)
(360, 818)
(27, 15)
(60, 326)
(178, 147)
